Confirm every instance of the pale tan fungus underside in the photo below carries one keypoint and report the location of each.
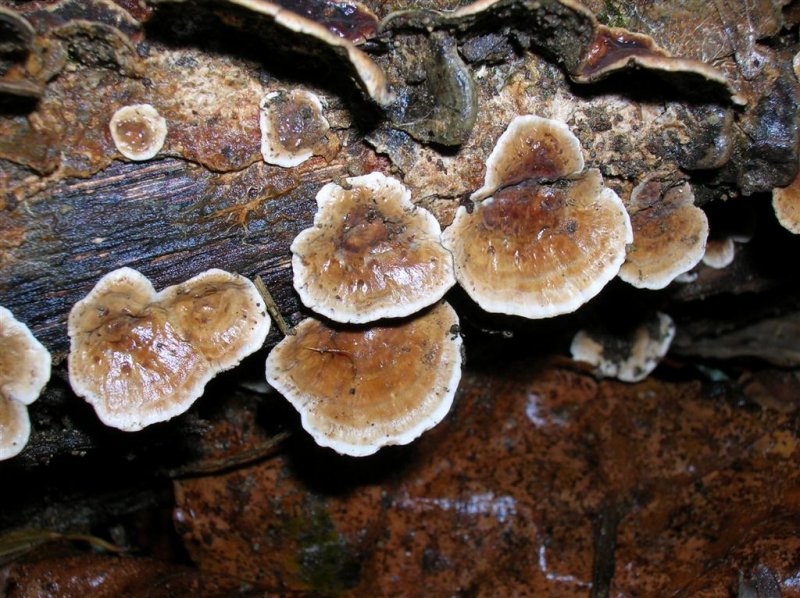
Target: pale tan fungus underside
(361, 388)
(786, 203)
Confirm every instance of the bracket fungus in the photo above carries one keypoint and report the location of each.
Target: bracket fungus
(549, 238)
(571, 33)
(669, 233)
(292, 127)
(141, 357)
(361, 388)
(719, 252)
(24, 371)
(786, 203)
(371, 253)
(629, 358)
(335, 35)
(138, 131)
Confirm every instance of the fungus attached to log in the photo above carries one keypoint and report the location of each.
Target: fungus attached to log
(629, 358)
(786, 203)
(141, 357)
(138, 131)
(371, 253)
(719, 252)
(669, 234)
(535, 248)
(361, 388)
(292, 127)
(24, 371)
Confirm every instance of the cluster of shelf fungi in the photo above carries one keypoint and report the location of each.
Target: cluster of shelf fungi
(380, 361)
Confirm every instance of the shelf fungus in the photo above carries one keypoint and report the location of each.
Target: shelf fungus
(293, 128)
(669, 233)
(786, 203)
(371, 253)
(568, 31)
(626, 357)
(324, 28)
(549, 237)
(719, 253)
(138, 131)
(24, 371)
(141, 357)
(361, 388)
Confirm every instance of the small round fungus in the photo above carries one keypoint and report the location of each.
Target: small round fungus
(531, 148)
(669, 234)
(786, 203)
(719, 253)
(361, 388)
(371, 253)
(141, 357)
(536, 250)
(138, 131)
(24, 371)
(629, 358)
(292, 127)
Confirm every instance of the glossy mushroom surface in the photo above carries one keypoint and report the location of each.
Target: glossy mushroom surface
(361, 388)
(371, 253)
(141, 357)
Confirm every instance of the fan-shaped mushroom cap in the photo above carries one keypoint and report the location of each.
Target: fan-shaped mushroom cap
(24, 362)
(719, 252)
(531, 148)
(138, 131)
(538, 250)
(24, 371)
(786, 203)
(141, 357)
(361, 388)
(371, 253)
(669, 234)
(15, 427)
(292, 127)
(629, 359)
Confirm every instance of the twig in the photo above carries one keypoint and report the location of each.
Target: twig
(272, 308)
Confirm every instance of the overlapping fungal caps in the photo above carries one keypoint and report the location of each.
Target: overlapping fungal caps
(322, 27)
(16, 43)
(293, 127)
(371, 253)
(548, 238)
(138, 131)
(361, 388)
(719, 252)
(568, 31)
(629, 357)
(669, 233)
(141, 357)
(24, 371)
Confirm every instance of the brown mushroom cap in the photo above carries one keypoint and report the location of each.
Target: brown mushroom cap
(629, 359)
(531, 148)
(138, 131)
(24, 362)
(24, 371)
(786, 203)
(141, 357)
(15, 427)
(292, 126)
(537, 250)
(358, 389)
(669, 234)
(371, 253)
